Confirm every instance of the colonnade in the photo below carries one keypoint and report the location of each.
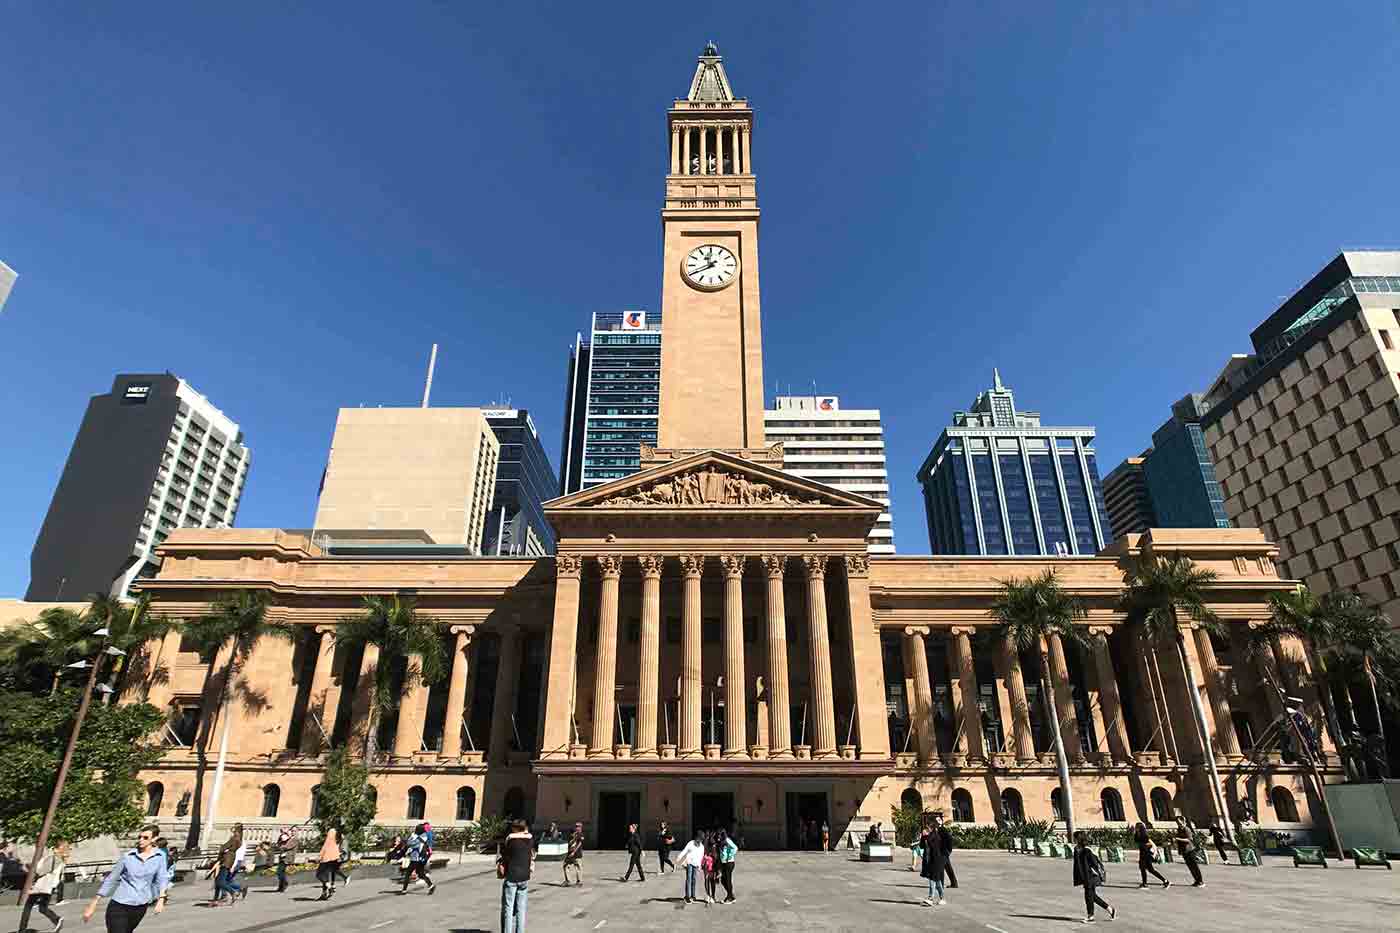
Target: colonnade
(710, 148)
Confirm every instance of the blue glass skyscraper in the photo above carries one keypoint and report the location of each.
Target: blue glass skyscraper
(524, 482)
(1180, 475)
(997, 482)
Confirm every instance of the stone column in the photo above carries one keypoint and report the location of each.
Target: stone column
(648, 681)
(692, 566)
(1023, 738)
(457, 692)
(1064, 700)
(161, 654)
(364, 715)
(685, 150)
(324, 699)
(960, 637)
(744, 138)
(736, 708)
(818, 640)
(563, 645)
(867, 662)
(1225, 737)
(704, 150)
(1115, 728)
(600, 742)
(503, 705)
(779, 706)
(675, 148)
(916, 652)
(408, 732)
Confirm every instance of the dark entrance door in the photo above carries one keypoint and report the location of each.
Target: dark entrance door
(805, 814)
(712, 811)
(616, 809)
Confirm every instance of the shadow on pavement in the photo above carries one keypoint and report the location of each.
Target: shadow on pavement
(881, 900)
(1048, 917)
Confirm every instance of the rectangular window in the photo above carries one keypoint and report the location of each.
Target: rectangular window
(1018, 504)
(1047, 498)
(989, 504)
(1385, 340)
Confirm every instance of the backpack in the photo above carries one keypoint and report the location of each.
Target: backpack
(707, 864)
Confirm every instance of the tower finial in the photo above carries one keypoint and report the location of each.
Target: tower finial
(711, 50)
(996, 379)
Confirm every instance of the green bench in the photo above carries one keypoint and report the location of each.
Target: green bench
(1363, 856)
(1308, 855)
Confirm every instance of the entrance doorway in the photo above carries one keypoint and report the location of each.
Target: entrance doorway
(712, 811)
(616, 809)
(806, 812)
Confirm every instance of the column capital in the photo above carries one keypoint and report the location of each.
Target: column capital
(1104, 630)
(328, 629)
(815, 565)
(609, 564)
(467, 630)
(857, 565)
(693, 565)
(916, 630)
(651, 564)
(733, 564)
(962, 630)
(568, 565)
(774, 565)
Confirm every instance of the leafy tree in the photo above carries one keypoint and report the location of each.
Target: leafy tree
(345, 800)
(393, 625)
(41, 647)
(1316, 622)
(133, 629)
(1364, 630)
(1028, 612)
(102, 794)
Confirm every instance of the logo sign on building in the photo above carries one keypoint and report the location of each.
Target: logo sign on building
(137, 393)
(634, 320)
(827, 403)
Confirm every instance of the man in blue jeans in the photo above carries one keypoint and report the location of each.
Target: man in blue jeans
(517, 858)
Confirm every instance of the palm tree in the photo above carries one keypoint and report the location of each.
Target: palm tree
(132, 629)
(58, 636)
(393, 626)
(1364, 629)
(235, 624)
(1315, 622)
(1028, 612)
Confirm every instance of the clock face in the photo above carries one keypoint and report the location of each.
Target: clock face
(710, 267)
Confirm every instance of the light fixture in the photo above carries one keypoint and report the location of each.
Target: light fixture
(103, 631)
(105, 688)
(78, 665)
(115, 652)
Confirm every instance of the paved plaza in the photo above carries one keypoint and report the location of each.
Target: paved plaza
(800, 891)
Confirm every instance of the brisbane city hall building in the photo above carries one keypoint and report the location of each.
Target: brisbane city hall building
(712, 644)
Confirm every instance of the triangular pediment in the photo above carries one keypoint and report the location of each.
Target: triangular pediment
(712, 480)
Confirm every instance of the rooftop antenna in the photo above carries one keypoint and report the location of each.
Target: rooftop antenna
(428, 386)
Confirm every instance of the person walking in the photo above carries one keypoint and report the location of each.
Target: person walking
(709, 864)
(1217, 836)
(397, 855)
(826, 837)
(945, 837)
(1185, 841)
(1088, 871)
(728, 849)
(573, 857)
(139, 878)
(634, 853)
(328, 863)
(1146, 858)
(664, 841)
(933, 855)
(691, 859)
(224, 885)
(47, 874)
(419, 851)
(515, 865)
(284, 850)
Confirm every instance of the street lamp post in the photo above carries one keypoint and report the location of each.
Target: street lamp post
(67, 758)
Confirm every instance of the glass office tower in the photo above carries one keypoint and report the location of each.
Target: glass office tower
(611, 399)
(524, 482)
(1180, 475)
(998, 482)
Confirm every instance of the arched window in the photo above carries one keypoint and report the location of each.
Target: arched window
(417, 803)
(1285, 810)
(515, 803)
(1057, 804)
(315, 801)
(466, 803)
(910, 800)
(1161, 805)
(962, 806)
(155, 793)
(1011, 808)
(272, 799)
(1112, 804)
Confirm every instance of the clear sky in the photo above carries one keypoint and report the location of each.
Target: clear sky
(287, 204)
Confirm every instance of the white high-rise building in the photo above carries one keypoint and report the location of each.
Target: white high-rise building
(839, 447)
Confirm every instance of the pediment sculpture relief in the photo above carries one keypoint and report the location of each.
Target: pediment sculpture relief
(707, 487)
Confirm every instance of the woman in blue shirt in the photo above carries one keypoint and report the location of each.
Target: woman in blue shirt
(138, 879)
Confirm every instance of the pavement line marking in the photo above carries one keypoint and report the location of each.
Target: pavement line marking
(384, 923)
(599, 924)
(998, 929)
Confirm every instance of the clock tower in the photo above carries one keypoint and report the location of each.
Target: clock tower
(711, 346)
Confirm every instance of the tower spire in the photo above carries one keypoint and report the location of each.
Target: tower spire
(996, 379)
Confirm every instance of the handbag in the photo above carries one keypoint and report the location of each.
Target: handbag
(404, 862)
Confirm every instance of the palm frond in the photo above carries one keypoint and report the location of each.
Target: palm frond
(1160, 591)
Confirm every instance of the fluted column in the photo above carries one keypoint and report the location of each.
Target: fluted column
(960, 637)
(1109, 699)
(744, 139)
(152, 686)
(324, 699)
(1024, 738)
(1064, 699)
(734, 165)
(364, 716)
(704, 151)
(916, 652)
(685, 150)
(648, 679)
(675, 148)
(779, 707)
(1215, 689)
(819, 641)
(408, 732)
(736, 710)
(605, 661)
(457, 691)
(563, 661)
(867, 662)
(503, 704)
(692, 566)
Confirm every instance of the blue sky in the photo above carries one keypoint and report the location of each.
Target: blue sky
(288, 204)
